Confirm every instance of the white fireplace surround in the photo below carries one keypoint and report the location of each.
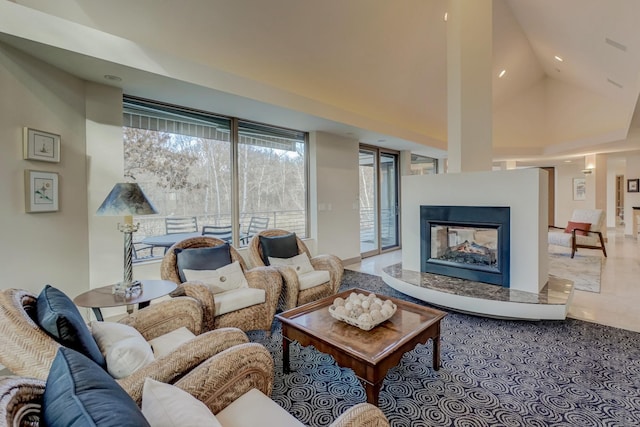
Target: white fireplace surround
(523, 190)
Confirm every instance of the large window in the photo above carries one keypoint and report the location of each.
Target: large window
(185, 162)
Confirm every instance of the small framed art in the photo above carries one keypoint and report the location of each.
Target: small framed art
(579, 189)
(40, 145)
(632, 185)
(41, 191)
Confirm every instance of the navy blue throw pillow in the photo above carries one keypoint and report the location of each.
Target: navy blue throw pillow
(59, 317)
(202, 258)
(78, 395)
(285, 246)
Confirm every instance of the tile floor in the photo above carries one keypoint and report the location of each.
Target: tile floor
(617, 304)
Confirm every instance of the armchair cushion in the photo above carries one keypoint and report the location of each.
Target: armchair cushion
(222, 279)
(78, 394)
(300, 263)
(235, 299)
(285, 246)
(581, 225)
(165, 344)
(165, 405)
(254, 408)
(123, 347)
(313, 278)
(209, 258)
(59, 317)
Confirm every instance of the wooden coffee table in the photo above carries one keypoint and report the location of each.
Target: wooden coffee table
(369, 353)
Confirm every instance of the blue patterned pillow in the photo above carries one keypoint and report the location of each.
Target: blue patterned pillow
(78, 395)
(59, 317)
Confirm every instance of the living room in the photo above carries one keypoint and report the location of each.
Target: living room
(77, 250)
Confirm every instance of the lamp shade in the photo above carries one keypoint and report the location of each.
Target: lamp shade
(126, 198)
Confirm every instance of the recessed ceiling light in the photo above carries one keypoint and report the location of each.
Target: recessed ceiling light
(446, 16)
(558, 58)
(382, 140)
(113, 78)
(567, 161)
(502, 73)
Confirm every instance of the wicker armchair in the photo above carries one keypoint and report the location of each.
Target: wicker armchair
(217, 382)
(255, 317)
(291, 295)
(29, 351)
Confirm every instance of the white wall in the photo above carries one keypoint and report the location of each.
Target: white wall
(524, 190)
(631, 199)
(45, 247)
(333, 192)
(565, 204)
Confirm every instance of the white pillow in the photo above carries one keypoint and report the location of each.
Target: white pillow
(300, 263)
(165, 344)
(221, 280)
(165, 405)
(124, 348)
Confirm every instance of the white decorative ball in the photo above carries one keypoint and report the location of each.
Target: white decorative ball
(375, 306)
(348, 306)
(366, 304)
(364, 318)
(376, 315)
(338, 302)
(340, 310)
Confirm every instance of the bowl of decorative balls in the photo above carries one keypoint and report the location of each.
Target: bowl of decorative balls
(362, 311)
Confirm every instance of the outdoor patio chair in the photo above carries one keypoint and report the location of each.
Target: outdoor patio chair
(28, 350)
(254, 317)
(582, 231)
(222, 232)
(297, 288)
(181, 224)
(256, 225)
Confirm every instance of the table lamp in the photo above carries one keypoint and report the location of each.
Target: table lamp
(127, 199)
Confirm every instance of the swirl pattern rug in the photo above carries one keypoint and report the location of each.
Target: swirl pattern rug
(493, 373)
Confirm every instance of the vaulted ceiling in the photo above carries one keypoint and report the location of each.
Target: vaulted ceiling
(368, 69)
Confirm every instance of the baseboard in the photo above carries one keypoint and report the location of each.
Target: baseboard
(350, 261)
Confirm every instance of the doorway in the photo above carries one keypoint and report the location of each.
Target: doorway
(379, 200)
(620, 200)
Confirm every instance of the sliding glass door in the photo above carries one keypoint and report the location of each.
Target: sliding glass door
(379, 216)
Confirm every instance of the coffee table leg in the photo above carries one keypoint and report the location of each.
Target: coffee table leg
(372, 391)
(285, 356)
(436, 352)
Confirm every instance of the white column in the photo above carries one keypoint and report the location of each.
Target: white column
(469, 68)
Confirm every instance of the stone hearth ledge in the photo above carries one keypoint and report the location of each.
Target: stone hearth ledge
(552, 303)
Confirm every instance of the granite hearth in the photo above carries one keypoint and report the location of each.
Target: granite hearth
(552, 302)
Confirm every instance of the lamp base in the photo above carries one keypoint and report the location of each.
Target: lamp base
(127, 289)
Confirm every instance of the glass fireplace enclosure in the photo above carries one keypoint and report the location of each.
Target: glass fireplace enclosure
(469, 242)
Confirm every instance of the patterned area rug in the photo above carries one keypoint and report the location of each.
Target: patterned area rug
(494, 373)
(584, 270)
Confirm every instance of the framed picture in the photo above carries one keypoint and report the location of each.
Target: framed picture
(40, 145)
(632, 185)
(41, 191)
(579, 189)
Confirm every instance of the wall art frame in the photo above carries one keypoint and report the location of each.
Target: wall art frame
(633, 185)
(41, 191)
(579, 189)
(40, 145)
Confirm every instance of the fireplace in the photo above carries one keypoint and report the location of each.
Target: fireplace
(469, 242)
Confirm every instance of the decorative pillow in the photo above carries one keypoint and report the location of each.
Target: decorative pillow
(59, 317)
(165, 405)
(123, 347)
(221, 280)
(300, 263)
(285, 246)
(582, 225)
(78, 394)
(165, 344)
(202, 258)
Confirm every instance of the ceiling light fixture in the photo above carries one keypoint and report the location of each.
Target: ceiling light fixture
(446, 16)
(112, 78)
(558, 58)
(502, 73)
